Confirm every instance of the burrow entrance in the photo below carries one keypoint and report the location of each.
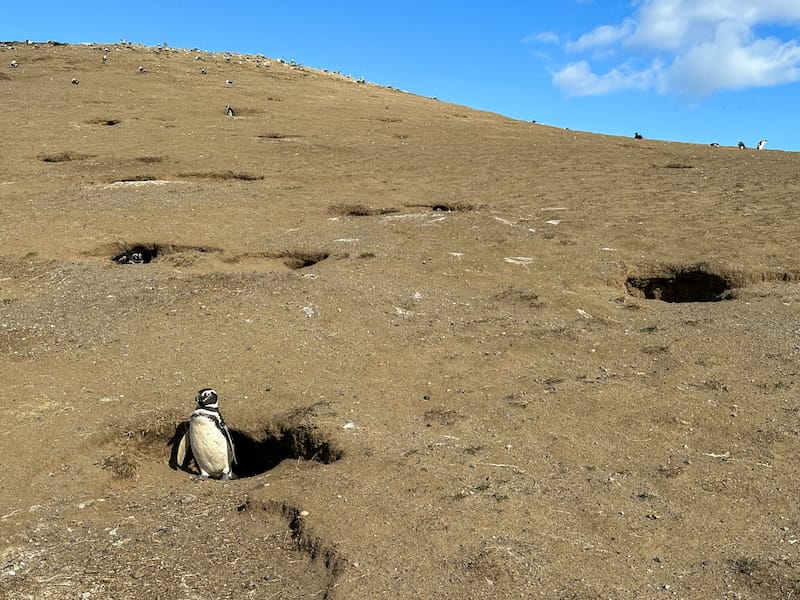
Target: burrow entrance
(144, 253)
(694, 283)
(257, 454)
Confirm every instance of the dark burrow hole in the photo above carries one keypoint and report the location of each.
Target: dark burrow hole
(682, 284)
(255, 456)
(453, 207)
(137, 254)
(301, 260)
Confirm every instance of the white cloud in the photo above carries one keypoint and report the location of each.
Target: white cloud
(577, 79)
(603, 36)
(546, 37)
(693, 47)
(732, 61)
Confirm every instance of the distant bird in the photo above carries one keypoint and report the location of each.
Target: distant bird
(14, 64)
(203, 71)
(105, 59)
(229, 111)
(208, 440)
(230, 83)
(761, 145)
(142, 69)
(75, 81)
(742, 146)
(714, 145)
(637, 136)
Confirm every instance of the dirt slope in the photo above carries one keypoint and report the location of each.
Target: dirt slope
(463, 356)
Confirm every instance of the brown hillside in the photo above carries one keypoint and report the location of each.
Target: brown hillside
(462, 356)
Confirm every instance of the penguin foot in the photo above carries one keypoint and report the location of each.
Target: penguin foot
(199, 477)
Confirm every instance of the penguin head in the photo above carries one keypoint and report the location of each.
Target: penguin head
(206, 398)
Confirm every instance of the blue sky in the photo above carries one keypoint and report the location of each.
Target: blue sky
(684, 70)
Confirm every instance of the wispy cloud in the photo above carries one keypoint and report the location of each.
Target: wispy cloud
(546, 37)
(690, 47)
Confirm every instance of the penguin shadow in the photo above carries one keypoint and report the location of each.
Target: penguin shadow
(255, 456)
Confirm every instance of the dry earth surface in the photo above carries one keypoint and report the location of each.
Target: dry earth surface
(463, 356)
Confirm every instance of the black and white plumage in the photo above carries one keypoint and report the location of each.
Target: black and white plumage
(714, 145)
(637, 136)
(131, 257)
(75, 81)
(208, 439)
(229, 111)
(761, 144)
(14, 64)
(742, 146)
(229, 83)
(142, 69)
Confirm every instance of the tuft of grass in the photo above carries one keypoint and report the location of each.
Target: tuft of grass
(745, 565)
(120, 465)
(61, 157)
(359, 210)
(224, 175)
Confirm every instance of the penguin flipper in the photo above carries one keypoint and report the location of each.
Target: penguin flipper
(231, 451)
(183, 455)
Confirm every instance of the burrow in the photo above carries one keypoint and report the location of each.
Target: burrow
(698, 282)
(144, 253)
(149, 252)
(693, 283)
(449, 206)
(261, 452)
(293, 259)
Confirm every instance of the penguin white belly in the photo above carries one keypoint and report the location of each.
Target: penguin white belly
(209, 447)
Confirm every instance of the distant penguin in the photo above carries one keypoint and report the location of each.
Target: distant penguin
(203, 71)
(714, 145)
(637, 136)
(142, 69)
(761, 144)
(14, 64)
(229, 111)
(105, 59)
(131, 257)
(75, 81)
(742, 146)
(230, 83)
(208, 439)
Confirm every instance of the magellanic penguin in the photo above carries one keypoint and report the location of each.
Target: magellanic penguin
(208, 440)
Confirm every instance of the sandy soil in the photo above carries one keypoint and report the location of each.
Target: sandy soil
(462, 356)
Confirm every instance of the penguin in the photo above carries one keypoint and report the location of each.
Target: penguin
(714, 145)
(142, 69)
(637, 136)
(130, 258)
(75, 81)
(761, 144)
(229, 83)
(229, 111)
(105, 59)
(14, 64)
(208, 440)
(742, 146)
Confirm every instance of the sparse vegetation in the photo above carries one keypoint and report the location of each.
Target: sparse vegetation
(64, 156)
